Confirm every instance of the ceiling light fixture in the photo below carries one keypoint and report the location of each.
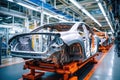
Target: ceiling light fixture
(104, 14)
(85, 11)
(1, 19)
(8, 17)
(57, 17)
(44, 12)
(28, 6)
(10, 0)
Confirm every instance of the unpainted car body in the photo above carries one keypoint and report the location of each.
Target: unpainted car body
(57, 43)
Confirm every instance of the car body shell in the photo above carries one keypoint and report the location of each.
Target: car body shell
(68, 37)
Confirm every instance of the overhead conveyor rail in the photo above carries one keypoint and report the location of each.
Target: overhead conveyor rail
(52, 9)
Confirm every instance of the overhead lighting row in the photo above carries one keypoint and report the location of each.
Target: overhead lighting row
(44, 12)
(104, 14)
(84, 10)
(77, 5)
(37, 9)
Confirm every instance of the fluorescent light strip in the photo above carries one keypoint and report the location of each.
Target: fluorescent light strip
(27, 6)
(104, 14)
(85, 11)
(100, 5)
(10, 0)
(44, 12)
(54, 16)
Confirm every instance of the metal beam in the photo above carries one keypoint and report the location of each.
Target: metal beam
(72, 8)
(12, 12)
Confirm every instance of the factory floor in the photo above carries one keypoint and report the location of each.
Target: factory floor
(107, 68)
(10, 61)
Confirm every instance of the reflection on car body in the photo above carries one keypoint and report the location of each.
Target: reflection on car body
(57, 43)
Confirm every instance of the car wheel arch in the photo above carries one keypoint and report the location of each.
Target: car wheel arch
(82, 46)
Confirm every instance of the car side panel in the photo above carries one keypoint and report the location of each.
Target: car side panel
(70, 39)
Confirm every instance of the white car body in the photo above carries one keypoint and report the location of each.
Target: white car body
(77, 34)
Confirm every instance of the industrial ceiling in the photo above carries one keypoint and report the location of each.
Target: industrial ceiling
(82, 11)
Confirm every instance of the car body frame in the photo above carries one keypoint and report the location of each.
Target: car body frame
(57, 43)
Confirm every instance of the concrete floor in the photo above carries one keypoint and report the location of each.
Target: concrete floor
(109, 69)
(10, 61)
(12, 72)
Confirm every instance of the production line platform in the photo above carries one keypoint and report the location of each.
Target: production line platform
(73, 71)
(68, 70)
